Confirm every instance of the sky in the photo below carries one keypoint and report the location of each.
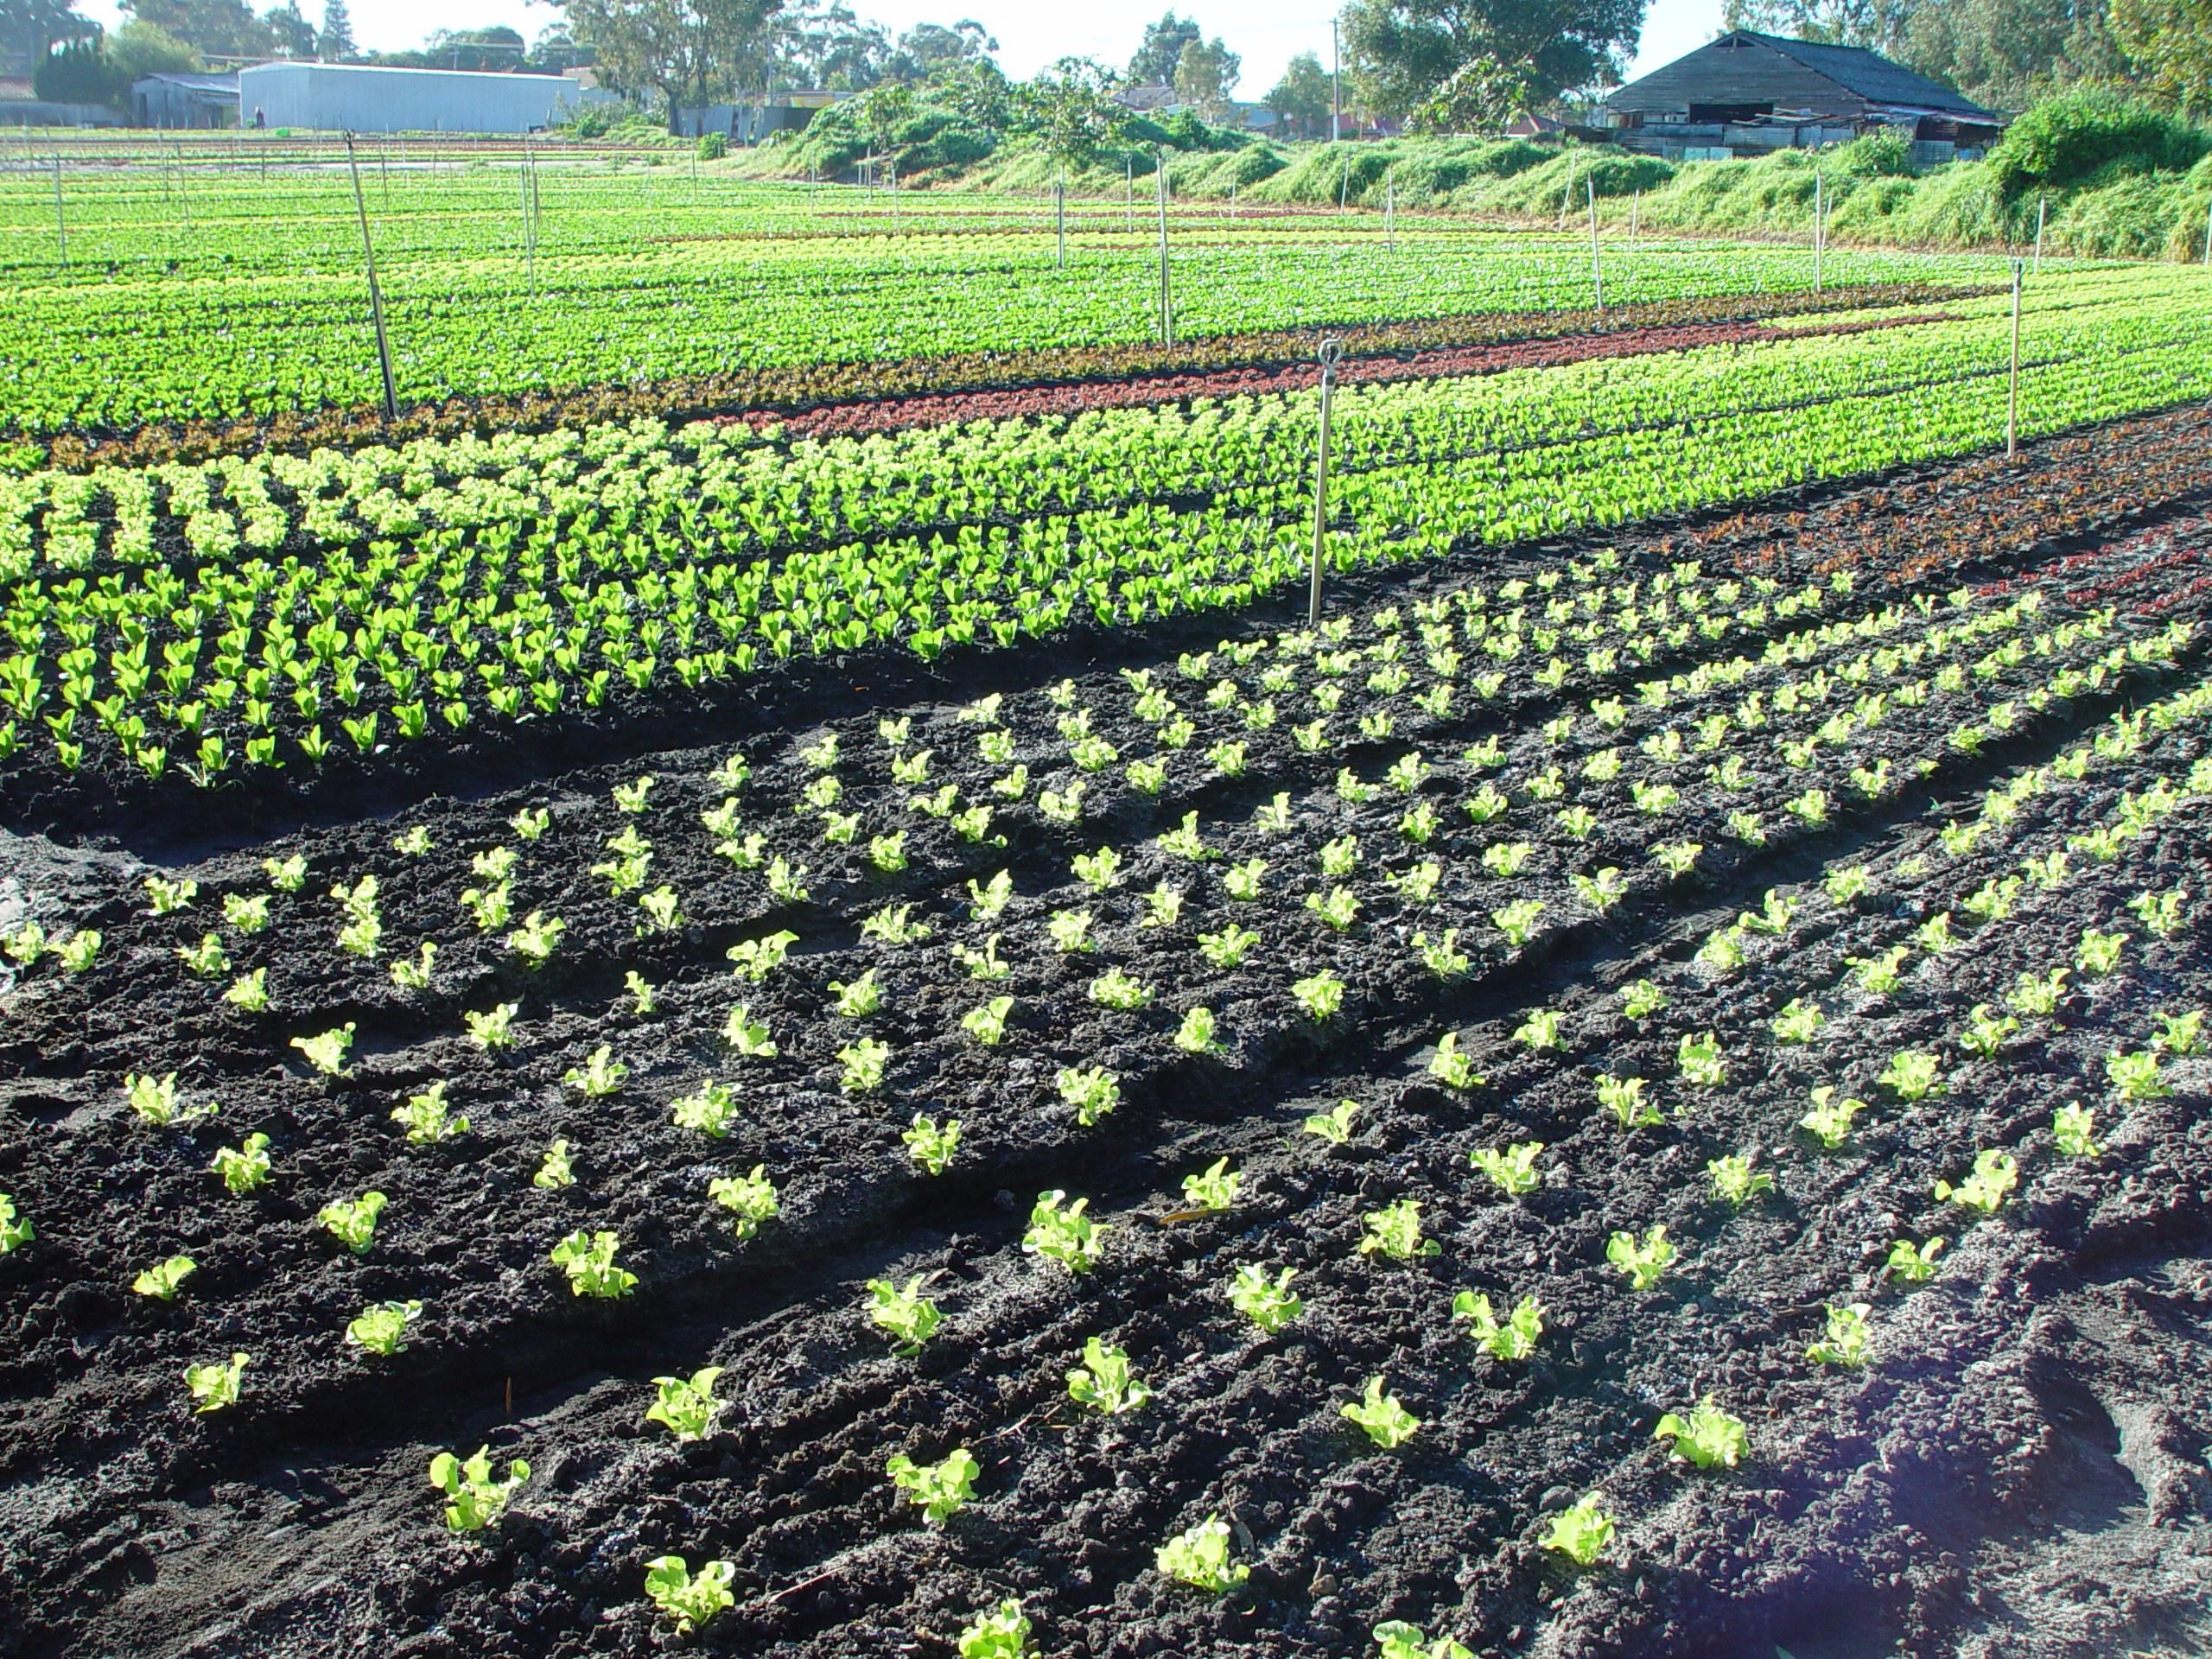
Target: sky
(1267, 34)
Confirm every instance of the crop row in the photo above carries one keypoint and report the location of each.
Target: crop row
(264, 338)
(1719, 1042)
(561, 577)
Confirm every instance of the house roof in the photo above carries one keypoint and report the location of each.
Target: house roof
(196, 83)
(1746, 67)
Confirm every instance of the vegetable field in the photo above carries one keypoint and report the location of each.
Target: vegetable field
(811, 1019)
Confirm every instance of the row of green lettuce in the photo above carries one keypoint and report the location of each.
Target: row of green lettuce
(617, 580)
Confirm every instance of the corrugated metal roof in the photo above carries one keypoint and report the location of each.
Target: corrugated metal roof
(1744, 67)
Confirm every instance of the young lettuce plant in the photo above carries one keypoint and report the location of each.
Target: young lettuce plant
(1735, 1181)
(1104, 1383)
(1830, 1121)
(1002, 1633)
(589, 1259)
(1513, 1170)
(1381, 1415)
(427, 1118)
(749, 1199)
(1395, 1231)
(1709, 1437)
(473, 1499)
(1914, 1263)
(931, 1144)
(1268, 1303)
(381, 1327)
(161, 1281)
(1452, 1068)
(1995, 1173)
(1199, 1557)
(1514, 1338)
(1845, 1343)
(1623, 1098)
(710, 1109)
(1065, 1236)
(555, 1169)
(1333, 1126)
(686, 1406)
(216, 1387)
(244, 1167)
(327, 1051)
(1092, 1091)
(353, 1222)
(690, 1599)
(2074, 1129)
(936, 1489)
(1642, 1263)
(909, 1317)
(1582, 1531)
(862, 1064)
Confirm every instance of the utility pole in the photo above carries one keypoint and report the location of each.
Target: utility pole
(1332, 351)
(1166, 302)
(1336, 82)
(376, 298)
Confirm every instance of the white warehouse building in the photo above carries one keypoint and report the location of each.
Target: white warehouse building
(361, 98)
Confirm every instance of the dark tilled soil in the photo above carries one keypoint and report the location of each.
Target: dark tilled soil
(2019, 1469)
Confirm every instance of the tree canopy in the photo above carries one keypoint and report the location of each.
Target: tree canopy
(1162, 49)
(1401, 52)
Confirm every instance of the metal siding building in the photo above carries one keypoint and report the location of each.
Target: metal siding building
(358, 97)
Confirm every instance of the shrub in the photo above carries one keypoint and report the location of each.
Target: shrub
(713, 146)
(2066, 139)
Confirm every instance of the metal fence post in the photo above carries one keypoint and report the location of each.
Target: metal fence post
(2042, 202)
(376, 296)
(60, 224)
(1390, 210)
(1332, 351)
(1167, 302)
(1820, 228)
(1060, 218)
(1597, 270)
(2013, 379)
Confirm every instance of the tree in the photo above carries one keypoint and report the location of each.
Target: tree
(1204, 77)
(214, 28)
(1303, 96)
(1877, 25)
(495, 48)
(687, 50)
(2008, 54)
(1162, 49)
(1482, 95)
(293, 34)
(823, 43)
(1401, 51)
(2170, 41)
(30, 29)
(927, 49)
(75, 72)
(336, 42)
(1070, 105)
(138, 49)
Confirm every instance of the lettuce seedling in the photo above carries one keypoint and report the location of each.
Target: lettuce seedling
(1911, 1075)
(1065, 1236)
(246, 1167)
(1540, 1031)
(1513, 1170)
(1163, 906)
(412, 842)
(287, 875)
(710, 1108)
(1396, 1639)
(382, 1326)
(325, 1050)
(589, 1259)
(1268, 1303)
(1387, 1422)
(748, 1036)
(1701, 1060)
(1623, 1098)
(1198, 1033)
(601, 1074)
(2074, 1130)
(553, 1169)
(214, 1386)
(1333, 1126)
(2161, 912)
(1642, 1263)
(2099, 953)
(490, 907)
(1320, 995)
(1002, 1633)
(427, 1118)
(78, 950)
(1641, 999)
(894, 926)
(691, 1599)
(686, 1406)
(2135, 1077)
(1515, 1338)
(1708, 1437)
(2180, 1033)
(156, 1101)
(353, 1222)
(936, 1489)
(1227, 948)
(986, 1024)
(1092, 1091)
(1517, 920)
(1116, 988)
(1199, 1557)
(1735, 1180)
(1242, 882)
(206, 959)
(415, 976)
(755, 959)
(1069, 931)
(1800, 1023)
(906, 1314)
(750, 1198)
(1442, 957)
(1913, 1262)
(1452, 1068)
(250, 991)
(475, 1500)
(1987, 1032)
(930, 1143)
(1846, 1341)
(15, 1231)
(1098, 871)
(1582, 1531)
(26, 944)
(1394, 1231)
(162, 1280)
(1994, 1174)
(531, 822)
(1214, 1188)
(1338, 909)
(1830, 1121)
(537, 937)
(863, 1065)
(1103, 1381)
(164, 896)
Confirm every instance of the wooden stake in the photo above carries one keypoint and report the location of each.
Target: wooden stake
(376, 297)
(1332, 352)
(2013, 380)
